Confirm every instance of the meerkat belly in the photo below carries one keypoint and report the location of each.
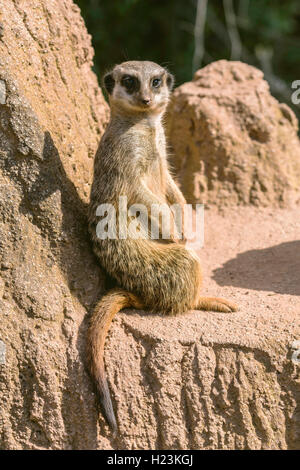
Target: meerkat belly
(155, 174)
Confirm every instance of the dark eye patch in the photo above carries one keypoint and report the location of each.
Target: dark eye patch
(109, 83)
(131, 83)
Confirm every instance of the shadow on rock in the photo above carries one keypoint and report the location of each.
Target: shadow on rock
(54, 206)
(275, 269)
(57, 209)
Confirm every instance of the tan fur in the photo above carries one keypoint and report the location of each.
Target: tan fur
(131, 160)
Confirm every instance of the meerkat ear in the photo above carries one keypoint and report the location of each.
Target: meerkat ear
(109, 83)
(170, 81)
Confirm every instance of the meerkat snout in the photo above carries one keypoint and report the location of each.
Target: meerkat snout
(138, 86)
(146, 101)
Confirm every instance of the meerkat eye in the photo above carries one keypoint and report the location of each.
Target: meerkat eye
(156, 82)
(129, 82)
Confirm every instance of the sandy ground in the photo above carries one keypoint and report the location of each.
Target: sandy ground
(252, 257)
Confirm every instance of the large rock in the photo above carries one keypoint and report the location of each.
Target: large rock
(46, 51)
(232, 142)
(52, 114)
(208, 380)
(201, 380)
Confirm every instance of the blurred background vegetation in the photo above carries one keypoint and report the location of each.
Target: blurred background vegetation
(185, 35)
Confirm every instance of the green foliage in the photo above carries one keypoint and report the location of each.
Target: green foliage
(138, 29)
(163, 31)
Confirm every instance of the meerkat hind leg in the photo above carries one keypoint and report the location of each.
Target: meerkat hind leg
(215, 304)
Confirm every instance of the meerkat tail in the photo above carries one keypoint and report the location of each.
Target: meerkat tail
(110, 304)
(216, 304)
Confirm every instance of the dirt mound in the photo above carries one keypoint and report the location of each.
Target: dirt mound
(232, 142)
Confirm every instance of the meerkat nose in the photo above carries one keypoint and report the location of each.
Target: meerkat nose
(146, 100)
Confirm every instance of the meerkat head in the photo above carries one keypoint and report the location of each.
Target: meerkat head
(139, 86)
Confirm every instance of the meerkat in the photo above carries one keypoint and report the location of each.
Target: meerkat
(131, 160)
